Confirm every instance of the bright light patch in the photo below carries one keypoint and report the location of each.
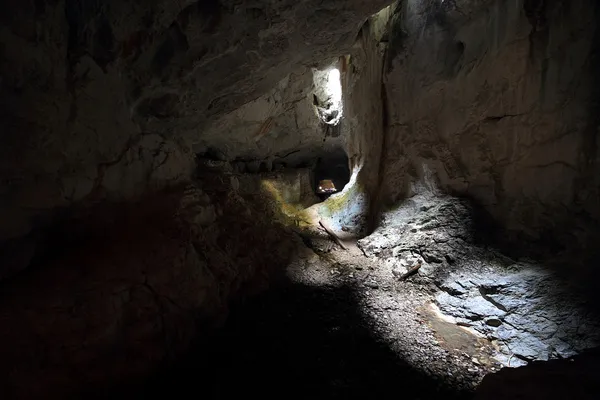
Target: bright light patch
(334, 86)
(328, 95)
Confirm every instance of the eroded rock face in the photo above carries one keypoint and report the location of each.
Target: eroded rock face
(110, 100)
(498, 100)
(84, 84)
(281, 127)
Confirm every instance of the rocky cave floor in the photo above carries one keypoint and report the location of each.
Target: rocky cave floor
(345, 324)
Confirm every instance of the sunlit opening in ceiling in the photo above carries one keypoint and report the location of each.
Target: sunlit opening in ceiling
(328, 95)
(334, 85)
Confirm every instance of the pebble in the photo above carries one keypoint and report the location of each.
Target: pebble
(495, 322)
(371, 284)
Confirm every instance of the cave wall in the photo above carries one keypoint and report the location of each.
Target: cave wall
(105, 103)
(363, 100)
(498, 101)
(280, 127)
(115, 250)
(125, 289)
(104, 99)
(293, 187)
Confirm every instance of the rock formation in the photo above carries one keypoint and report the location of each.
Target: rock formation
(498, 100)
(106, 99)
(103, 104)
(135, 136)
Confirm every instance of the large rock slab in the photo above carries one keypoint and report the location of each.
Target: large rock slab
(523, 306)
(531, 313)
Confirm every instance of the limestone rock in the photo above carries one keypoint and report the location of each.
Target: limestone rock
(526, 308)
(85, 85)
(498, 101)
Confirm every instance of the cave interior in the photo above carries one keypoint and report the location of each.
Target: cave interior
(310, 199)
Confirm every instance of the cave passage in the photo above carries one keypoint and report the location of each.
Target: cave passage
(333, 166)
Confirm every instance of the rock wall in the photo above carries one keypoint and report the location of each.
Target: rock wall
(498, 100)
(104, 98)
(293, 187)
(279, 128)
(123, 289)
(111, 261)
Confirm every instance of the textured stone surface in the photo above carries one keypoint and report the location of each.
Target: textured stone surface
(84, 83)
(279, 128)
(531, 314)
(524, 307)
(292, 187)
(107, 101)
(498, 101)
(104, 101)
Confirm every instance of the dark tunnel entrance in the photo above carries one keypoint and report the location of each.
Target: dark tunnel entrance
(331, 174)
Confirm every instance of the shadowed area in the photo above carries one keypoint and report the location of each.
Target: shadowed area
(300, 342)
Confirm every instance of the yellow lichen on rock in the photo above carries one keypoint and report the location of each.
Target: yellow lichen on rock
(288, 213)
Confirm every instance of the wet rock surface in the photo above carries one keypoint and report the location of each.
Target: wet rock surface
(529, 312)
